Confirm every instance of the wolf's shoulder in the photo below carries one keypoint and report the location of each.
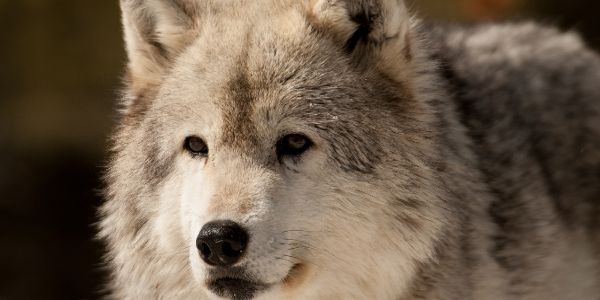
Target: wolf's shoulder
(509, 69)
(501, 49)
(526, 68)
(528, 96)
(524, 65)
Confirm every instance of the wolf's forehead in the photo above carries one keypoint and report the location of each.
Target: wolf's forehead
(254, 68)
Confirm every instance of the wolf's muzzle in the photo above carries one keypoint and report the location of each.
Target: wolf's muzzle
(221, 243)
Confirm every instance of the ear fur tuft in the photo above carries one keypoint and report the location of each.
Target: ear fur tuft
(370, 30)
(155, 31)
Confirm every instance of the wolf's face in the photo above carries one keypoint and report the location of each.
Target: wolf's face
(276, 151)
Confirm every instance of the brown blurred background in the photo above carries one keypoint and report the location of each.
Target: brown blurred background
(60, 64)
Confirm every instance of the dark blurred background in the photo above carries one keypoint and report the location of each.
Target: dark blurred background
(60, 68)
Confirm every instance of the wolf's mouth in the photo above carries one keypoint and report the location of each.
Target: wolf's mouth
(295, 277)
(236, 288)
(244, 288)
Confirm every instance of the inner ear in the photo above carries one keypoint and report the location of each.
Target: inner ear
(361, 34)
(363, 28)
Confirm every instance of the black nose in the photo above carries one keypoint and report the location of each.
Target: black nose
(221, 243)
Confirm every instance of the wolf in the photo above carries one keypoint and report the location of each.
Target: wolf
(347, 149)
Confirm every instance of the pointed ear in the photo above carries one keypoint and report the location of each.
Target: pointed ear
(374, 32)
(155, 31)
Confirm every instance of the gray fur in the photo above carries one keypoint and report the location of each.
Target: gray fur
(449, 162)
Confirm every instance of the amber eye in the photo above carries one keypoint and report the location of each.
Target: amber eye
(196, 146)
(293, 145)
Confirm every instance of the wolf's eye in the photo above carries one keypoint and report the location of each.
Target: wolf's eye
(293, 145)
(196, 146)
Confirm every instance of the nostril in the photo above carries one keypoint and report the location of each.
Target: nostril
(205, 250)
(231, 249)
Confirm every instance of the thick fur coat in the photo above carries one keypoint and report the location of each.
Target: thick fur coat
(441, 162)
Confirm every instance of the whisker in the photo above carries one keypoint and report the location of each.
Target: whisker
(316, 249)
(285, 259)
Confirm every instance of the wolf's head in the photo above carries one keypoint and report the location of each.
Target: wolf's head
(275, 149)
